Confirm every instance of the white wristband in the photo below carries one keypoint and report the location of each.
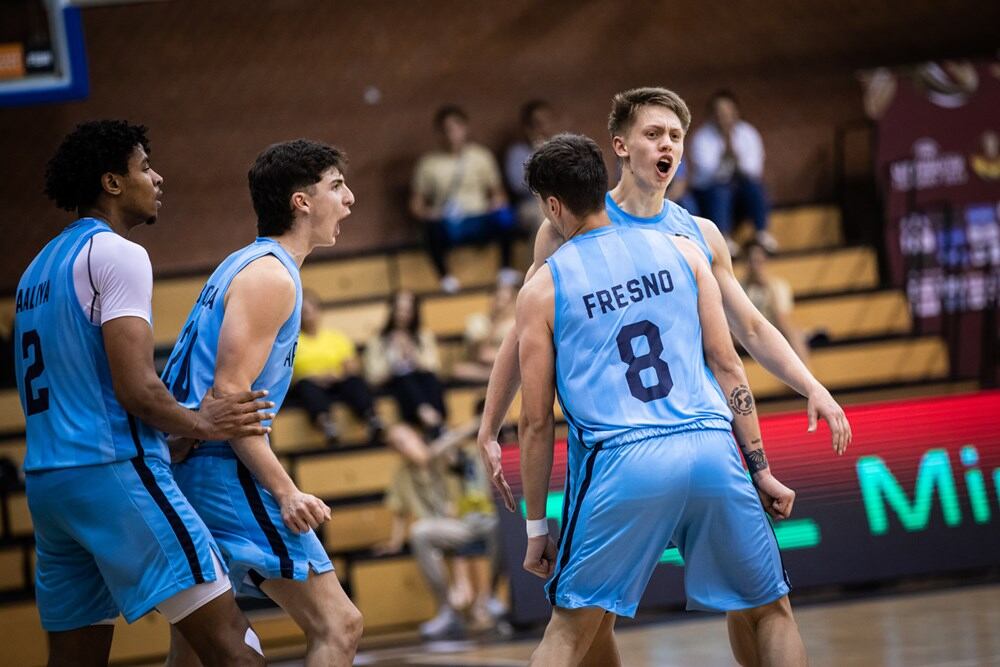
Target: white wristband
(537, 527)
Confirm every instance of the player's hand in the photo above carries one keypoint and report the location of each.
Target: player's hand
(776, 498)
(821, 405)
(225, 417)
(489, 451)
(180, 448)
(540, 556)
(302, 512)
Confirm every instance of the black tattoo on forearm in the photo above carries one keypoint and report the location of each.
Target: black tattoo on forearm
(741, 400)
(756, 460)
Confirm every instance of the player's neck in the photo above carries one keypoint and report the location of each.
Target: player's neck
(636, 198)
(589, 224)
(296, 243)
(113, 218)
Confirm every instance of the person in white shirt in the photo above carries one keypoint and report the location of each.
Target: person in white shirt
(727, 157)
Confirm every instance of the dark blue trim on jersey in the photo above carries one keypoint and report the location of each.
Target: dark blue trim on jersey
(278, 546)
(578, 503)
(90, 277)
(160, 498)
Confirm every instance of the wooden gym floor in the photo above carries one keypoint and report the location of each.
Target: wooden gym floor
(958, 627)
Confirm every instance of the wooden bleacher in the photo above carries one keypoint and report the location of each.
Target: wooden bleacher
(871, 354)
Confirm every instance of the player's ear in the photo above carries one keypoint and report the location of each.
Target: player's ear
(112, 183)
(300, 202)
(618, 144)
(553, 207)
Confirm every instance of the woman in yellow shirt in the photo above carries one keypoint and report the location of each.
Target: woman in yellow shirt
(326, 370)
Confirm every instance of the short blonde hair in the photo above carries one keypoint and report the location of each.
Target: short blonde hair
(625, 105)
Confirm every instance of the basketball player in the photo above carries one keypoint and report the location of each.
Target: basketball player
(113, 534)
(647, 127)
(627, 322)
(240, 334)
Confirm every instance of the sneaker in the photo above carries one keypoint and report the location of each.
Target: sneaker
(450, 284)
(508, 277)
(765, 238)
(734, 247)
(495, 607)
(446, 625)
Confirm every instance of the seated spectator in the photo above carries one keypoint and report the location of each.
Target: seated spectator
(679, 190)
(483, 334)
(727, 156)
(458, 195)
(404, 357)
(442, 487)
(537, 126)
(326, 370)
(773, 298)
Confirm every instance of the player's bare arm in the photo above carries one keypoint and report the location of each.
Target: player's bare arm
(259, 300)
(535, 312)
(129, 345)
(506, 376)
(766, 344)
(725, 364)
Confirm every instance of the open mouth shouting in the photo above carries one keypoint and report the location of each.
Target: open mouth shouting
(663, 165)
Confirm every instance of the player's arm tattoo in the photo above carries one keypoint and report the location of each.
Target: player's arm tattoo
(741, 400)
(756, 459)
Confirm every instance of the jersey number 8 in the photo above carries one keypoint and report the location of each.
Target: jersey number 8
(637, 364)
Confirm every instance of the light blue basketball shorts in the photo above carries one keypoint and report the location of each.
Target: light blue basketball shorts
(245, 520)
(626, 504)
(110, 538)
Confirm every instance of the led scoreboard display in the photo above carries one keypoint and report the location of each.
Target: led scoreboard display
(917, 492)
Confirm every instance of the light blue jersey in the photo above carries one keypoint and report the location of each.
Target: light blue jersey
(241, 514)
(651, 458)
(190, 371)
(672, 219)
(113, 533)
(630, 362)
(71, 413)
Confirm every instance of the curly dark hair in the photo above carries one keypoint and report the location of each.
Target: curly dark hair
(73, 175)
(282, 169)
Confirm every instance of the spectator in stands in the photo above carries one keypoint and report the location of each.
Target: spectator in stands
(679, 190)
(538, 124)
(727, 156)
(404, 357)
(443, 488)
(458, 194)
(326, 370)
(483, 334)
(773, 297)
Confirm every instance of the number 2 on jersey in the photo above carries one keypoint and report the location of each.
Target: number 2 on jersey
(40, 402)
(637, 364)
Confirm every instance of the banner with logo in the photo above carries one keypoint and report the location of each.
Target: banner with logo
(938, 161)
(917, 492)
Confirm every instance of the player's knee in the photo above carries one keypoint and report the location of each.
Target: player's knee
(779, 609)
(340, 630)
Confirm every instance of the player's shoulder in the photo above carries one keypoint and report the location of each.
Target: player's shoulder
(536, 290)
(115, 246)
(267, 276)
(111, 255)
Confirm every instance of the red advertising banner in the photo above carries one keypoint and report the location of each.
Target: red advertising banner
(917, 492)
(938, 161)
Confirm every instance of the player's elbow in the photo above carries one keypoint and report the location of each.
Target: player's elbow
(724, 363)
